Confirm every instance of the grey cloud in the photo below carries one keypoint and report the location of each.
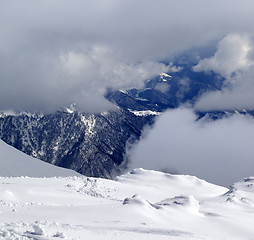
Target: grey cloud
(54, 81)
(219, 151)
(38, 36)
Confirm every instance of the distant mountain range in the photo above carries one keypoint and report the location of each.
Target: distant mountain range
(167, 90)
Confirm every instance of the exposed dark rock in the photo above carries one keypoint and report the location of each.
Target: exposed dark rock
(91, 144)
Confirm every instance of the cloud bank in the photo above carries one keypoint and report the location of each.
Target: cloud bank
(55, 52)
(219, 151)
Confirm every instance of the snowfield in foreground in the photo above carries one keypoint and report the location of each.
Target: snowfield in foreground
(141, 204)
(14, 163)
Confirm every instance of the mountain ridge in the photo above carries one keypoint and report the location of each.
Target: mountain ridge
(91, 144)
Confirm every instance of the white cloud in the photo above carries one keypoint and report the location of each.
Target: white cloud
(234, 61)
(219, 151)
(239, 97)
(232, 55)
(75, 63)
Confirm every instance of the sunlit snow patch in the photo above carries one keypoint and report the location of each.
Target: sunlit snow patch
(164, 77)
(144, 113)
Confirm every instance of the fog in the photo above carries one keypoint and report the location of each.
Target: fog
(221, 151)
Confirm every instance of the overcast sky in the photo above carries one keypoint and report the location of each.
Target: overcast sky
(54, 52)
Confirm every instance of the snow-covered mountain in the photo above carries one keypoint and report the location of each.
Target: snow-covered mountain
(14, 163)
(91, 144)
(95, 144)
(168, 91)
(141, 204)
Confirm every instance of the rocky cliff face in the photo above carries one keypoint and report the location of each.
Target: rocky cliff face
(91, 144)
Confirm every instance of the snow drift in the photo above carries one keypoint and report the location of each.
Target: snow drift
(141, 204)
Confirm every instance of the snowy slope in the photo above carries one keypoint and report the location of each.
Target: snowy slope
(141, 204)
(14, 163)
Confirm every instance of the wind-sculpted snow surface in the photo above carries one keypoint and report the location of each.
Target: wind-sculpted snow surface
(141, 204)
